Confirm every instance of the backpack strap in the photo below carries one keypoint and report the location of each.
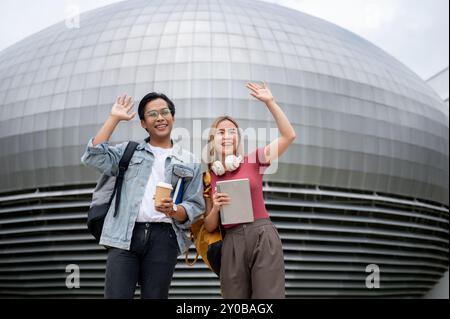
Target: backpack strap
(186, 256)
(123, 166)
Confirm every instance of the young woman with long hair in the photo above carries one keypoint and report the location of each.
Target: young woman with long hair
(252, 264)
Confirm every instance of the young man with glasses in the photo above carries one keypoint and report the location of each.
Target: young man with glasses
(144, 240)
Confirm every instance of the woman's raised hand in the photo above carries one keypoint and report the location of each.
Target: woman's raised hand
(260, 92)
(122, 108)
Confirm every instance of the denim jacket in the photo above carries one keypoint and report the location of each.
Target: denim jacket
(117, 231)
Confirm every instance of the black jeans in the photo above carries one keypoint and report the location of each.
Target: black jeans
(150, 262)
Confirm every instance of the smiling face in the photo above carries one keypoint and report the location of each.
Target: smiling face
(158, 121)
(225, 138)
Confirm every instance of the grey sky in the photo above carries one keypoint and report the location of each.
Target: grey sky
(416, 32)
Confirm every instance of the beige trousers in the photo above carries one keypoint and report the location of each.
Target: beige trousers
(252, 263)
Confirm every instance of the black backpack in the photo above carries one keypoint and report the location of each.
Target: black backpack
(106, 188)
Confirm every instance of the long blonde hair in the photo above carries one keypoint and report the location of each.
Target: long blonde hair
(211, 155)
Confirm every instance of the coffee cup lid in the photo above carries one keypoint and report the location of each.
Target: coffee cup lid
(165, 185)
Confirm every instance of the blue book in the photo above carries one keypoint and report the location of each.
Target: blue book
(179, 191)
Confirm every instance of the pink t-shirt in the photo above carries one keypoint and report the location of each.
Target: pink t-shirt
(252, 167)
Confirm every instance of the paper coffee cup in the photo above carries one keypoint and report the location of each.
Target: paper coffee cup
(163, 190)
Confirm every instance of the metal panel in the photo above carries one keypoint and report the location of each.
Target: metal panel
(326, 254)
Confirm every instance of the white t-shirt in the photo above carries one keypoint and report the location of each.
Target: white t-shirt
(147, 212)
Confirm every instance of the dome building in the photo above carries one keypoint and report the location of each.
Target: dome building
(366, 181)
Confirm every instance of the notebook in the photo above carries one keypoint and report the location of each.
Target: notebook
(179, 191)
(240, 210)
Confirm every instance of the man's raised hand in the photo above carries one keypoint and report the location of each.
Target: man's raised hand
(122, 108)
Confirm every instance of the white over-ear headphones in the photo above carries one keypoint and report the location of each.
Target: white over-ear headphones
(232, 163)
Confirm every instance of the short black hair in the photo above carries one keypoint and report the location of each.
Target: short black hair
(153, 96)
